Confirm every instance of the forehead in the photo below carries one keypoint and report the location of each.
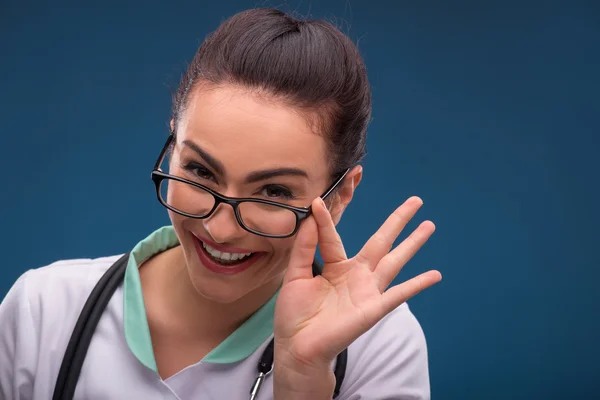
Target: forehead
(246, 131)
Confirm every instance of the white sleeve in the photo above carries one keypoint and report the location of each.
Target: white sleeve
(18, 344)
(389, 361)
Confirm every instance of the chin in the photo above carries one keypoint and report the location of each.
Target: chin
(227, 289)
(227, 281)
(218, 292)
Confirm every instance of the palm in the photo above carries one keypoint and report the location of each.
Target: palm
(317, 317)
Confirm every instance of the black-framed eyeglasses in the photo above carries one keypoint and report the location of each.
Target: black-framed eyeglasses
(262, 217)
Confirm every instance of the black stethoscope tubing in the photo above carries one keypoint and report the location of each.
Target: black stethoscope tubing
(92, 311)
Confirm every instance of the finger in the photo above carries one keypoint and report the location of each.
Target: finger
(381, 242)
(396, 295)
(330, 243)
(390, 265)
(303, 252)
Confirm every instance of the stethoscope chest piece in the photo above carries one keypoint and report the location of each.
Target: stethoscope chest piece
(257, 384)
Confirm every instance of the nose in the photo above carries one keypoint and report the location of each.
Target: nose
(223, 226)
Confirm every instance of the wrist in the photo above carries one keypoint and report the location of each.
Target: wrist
(295, 380)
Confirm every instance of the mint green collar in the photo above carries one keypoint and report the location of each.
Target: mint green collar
(239, 345)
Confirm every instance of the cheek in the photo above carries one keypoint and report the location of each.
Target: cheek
(179, 223)
(176, 220)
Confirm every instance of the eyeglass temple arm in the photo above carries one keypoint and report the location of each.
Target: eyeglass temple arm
(164, 151)
(334, 184)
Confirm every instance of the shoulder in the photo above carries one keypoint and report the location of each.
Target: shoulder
(399, 327)
(390, 360)
(61, 283)
(37, 317)
(71, 271)
(54, 292)
(72, 276)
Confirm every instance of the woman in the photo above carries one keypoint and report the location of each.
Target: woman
(272, 110)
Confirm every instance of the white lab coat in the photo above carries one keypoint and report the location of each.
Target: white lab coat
(39, 312)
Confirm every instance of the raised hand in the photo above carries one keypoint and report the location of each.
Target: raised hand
(317, 317)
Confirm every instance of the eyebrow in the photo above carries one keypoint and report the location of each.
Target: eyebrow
(212, 162)
(253, 177)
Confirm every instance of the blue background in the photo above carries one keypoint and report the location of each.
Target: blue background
(487, 110)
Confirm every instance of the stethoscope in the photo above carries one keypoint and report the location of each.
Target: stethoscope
(70, 369)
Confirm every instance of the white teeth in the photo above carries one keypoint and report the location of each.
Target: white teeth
(224, 256)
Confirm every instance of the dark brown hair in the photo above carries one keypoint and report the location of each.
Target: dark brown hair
(308, 63)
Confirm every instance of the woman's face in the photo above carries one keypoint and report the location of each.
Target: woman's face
(241, 145)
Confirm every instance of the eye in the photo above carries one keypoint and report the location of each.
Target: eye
(277, 192)
(199, 171)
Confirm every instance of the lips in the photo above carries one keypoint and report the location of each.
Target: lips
(221, 268)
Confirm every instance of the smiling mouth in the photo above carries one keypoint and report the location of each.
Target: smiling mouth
(224, 263)
(223, 257)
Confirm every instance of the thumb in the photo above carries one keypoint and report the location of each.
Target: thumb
(303, 252)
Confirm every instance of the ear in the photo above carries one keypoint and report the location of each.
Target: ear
(343, 196)
(172, 125)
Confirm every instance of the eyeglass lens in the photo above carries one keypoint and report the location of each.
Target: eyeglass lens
(264, 218)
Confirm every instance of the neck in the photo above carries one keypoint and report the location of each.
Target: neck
(178, 307)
